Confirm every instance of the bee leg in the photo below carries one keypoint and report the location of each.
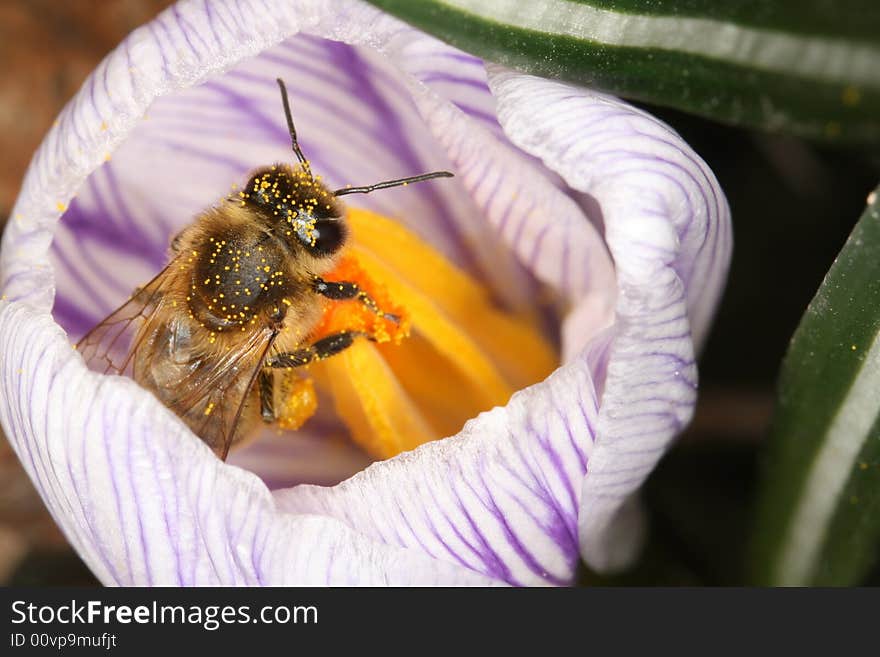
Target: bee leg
(323, 348)
(267, 396)
(345, 290)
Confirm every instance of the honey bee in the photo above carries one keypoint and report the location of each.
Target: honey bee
(238, 302)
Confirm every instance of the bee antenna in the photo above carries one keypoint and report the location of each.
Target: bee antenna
(291, 129)
(392, 183)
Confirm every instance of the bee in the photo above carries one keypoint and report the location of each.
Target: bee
(238, 302)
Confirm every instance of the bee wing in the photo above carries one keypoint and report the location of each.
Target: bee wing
(214, 393)
(208, 393)
(110, 347)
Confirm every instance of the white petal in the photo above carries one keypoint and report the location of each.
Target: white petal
(667, 226)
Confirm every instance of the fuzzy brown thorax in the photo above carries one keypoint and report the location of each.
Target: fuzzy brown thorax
(253, 258)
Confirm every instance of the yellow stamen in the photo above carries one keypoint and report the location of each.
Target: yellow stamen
(380, 415)
(449, 338)
(512, 342)
(464, 355)
(447, 397)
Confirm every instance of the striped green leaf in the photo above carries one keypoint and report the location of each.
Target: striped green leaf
(807, 67)
(819, 513)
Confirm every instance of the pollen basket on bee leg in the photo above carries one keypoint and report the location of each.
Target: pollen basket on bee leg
(295, 399)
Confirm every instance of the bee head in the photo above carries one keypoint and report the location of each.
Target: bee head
(313, 215)
(298, 208)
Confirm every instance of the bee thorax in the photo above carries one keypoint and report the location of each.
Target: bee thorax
(237, 283)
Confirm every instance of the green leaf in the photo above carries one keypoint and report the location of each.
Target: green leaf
(807, 67)
(819, 512)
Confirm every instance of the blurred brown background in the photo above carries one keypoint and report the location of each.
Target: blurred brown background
(47, 48)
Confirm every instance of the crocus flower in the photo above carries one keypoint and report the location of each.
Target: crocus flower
(560, 193)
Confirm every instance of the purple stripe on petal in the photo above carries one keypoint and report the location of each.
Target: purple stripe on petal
(636, 151)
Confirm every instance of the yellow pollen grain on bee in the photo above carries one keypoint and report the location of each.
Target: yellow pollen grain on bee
(61, 207)
(209, 408)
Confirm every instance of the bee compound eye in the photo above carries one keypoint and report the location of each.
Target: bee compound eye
(327, 237)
